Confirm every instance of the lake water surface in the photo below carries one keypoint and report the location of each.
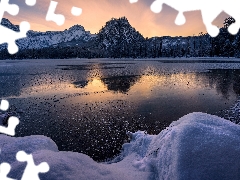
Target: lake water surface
(88, 105)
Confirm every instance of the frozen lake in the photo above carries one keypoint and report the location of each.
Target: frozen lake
(88, 105)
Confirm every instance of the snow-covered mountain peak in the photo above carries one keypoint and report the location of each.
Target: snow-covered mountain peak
(38, 40)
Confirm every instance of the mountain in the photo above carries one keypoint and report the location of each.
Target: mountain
(76, 35)
(118, 36)
(118, 32)
(5, 22)
(118, 39)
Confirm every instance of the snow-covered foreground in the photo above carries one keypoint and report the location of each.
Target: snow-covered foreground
(197, 146)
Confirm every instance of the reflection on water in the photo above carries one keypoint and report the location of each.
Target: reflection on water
(88, 108)
(225, 80)
(120, 84)
(116, 84)
(97, 82)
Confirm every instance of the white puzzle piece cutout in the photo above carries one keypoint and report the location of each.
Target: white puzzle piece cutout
(7, 35)
(209, 9)
(12, 9)
(12, 121)
(30, 2)
(4, 170)
(4, 105)
(12, 124)
(59, 19)
(31, 172)
(76, 11)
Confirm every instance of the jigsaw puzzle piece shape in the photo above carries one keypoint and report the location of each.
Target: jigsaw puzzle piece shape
(51, 16)
(208, 17)
(4, 105)
(233, 28)
(76, 11)
(12, 124)
(235, 13)
(31, 171)
(133, 1)
(4, 170)
(180, 20)
(156, 6)
(209, 11)
(9, 36)
(12, 9)
(30, 2)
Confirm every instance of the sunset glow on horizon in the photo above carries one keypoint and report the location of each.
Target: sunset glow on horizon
(96, 13)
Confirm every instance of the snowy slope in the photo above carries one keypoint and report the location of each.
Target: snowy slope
(197, 146)
(49, 38)
(38, 40)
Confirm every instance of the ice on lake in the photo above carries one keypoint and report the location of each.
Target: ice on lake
(88, 105)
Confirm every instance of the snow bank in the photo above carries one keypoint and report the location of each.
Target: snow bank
(197, 146)
(63, 165)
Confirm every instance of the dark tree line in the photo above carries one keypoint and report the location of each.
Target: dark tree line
(120, 40)
(51, 53)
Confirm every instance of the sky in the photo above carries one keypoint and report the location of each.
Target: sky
(95, 14)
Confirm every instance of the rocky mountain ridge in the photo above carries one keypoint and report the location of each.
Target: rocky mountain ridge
(39, 40)
(118, 39)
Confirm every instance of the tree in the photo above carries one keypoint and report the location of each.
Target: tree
(228, 21)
